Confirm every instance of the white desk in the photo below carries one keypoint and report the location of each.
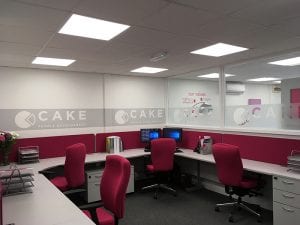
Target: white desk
(48, 206)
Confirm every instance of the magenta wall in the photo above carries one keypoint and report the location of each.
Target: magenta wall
(54, 146)
(265, 149)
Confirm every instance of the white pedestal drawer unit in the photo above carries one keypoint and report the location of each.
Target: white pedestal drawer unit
(286, 201)
(93, 178)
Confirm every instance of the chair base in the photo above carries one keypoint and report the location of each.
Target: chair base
(157, 187)
(240, 205)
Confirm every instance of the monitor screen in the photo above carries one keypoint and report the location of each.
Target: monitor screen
(149, 134)
(175, 133)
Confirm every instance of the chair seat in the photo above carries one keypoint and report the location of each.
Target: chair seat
(104, 217)
(87, 213)
(60, 182)
(248, 183)
(150, 168)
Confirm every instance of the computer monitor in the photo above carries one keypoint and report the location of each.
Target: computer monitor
(175, 133)
(149, 134)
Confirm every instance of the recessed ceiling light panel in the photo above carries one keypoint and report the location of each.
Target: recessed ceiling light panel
(52, 61)
(89, 27)
(214, 75)
(219, 49)
(262, 79)
(287, 62)
(146, 69)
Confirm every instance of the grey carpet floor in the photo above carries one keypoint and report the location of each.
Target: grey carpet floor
(188, 208)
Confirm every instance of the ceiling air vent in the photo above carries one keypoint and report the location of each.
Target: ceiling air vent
(235, 88)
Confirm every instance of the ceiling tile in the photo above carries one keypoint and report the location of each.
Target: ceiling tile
(15, 60)
(67, 5)
(290, 26)
(269, 12)
(126, 11)
(31, 36)
(178, 19)
(218, 6)
(18, 49)
(14, 13)
(74, 42)
(226, 28)
(146, 37)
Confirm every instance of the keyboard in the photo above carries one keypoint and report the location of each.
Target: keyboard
(147, 150)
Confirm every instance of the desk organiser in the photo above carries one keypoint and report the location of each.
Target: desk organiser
(28, 154)
(294, 161)
(16, 180)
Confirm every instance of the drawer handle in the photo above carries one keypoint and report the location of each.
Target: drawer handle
(287, 182)
(288, 196)
(288, 209)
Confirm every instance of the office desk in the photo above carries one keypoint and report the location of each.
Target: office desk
(48, 206)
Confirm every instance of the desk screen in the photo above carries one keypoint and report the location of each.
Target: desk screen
(175, 133)
(149, 134)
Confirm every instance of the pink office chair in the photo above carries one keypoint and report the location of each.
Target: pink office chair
(162, 157)
(74, 177)
(230, 173)
(113, 188)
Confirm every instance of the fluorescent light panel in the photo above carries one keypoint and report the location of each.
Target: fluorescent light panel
(146, 69)
(287, 62)
(52, 61)
(219, 49)
(261, 79)
(214, 75)
(89, 27)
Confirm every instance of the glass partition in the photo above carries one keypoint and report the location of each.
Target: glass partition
(264, 94)
(193, 99)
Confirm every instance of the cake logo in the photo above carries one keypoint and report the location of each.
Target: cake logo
(25, 119)
(121, 117)
(136, 116)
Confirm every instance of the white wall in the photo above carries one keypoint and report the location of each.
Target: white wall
(35, 91)
(141, 99)
(185, 98)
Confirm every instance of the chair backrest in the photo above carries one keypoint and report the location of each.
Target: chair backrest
(74, 165)
(229, 164)
(162, 154)
(114, 184)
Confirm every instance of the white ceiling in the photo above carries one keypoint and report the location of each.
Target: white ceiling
(28, 28)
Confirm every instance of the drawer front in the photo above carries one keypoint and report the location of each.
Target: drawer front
(93, 192)
(94, 176)
(286, 184)
(285, 215)
(287, 198)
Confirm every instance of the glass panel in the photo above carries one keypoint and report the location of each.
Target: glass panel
(194, 100)
(268, 104)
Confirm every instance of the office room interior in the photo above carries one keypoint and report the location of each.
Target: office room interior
(227, 70)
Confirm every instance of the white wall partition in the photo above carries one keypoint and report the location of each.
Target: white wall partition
(38, 102)
(193, 102)
(134, 102)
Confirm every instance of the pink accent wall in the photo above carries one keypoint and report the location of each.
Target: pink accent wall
(265, 149)
(54, 146)
(190, 138)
